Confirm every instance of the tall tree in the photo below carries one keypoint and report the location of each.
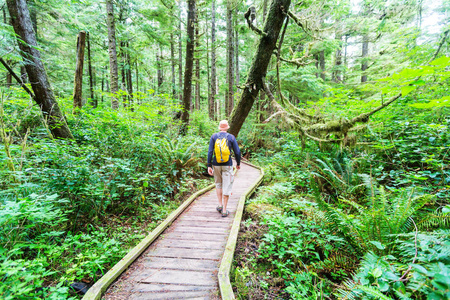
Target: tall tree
(172, 63)
(364, 53)
(78, 82)
(230, 60)
(91, 75)
(212, 102)
(113, 69)
(180, 56)
(44, 97)
(257, 73)
(197, 61)
(236, 50)
(187, 90)
(159, 69)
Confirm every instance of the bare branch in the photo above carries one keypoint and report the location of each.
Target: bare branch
(247, 16)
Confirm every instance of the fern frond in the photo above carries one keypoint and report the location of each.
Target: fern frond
(433, 220)
(373, 292)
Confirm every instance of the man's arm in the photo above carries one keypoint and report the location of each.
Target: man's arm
(210, 151)
(237, 151)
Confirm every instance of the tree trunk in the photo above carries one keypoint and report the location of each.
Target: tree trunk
(197, 62)
(137, 77)
(213, 104)
(78, 85)
(187, 91)
(365, 51)
(172, 62)
(113, 69)
(236, 49)
(336, 75)
(23, 74)
(264, 11)
(33, 14)
(159, 67)
(230, 60)
(40, 84)
(180, 57)
(91, 78)
(8, 74)
(129, 78)
(261, 59)
(322, 64)
(208, 68)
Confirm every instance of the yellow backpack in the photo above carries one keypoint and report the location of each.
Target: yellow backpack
(221, 148)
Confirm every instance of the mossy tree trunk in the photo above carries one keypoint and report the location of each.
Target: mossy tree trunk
(113, 69)
(188, 69)
(78, 82)
(212, 103)
(261, 59)
(44, 97)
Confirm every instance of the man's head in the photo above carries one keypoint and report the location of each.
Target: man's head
(223, 125)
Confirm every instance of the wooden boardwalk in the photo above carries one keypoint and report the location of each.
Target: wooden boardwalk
(184, 261)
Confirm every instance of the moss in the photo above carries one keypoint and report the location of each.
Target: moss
(257, 210)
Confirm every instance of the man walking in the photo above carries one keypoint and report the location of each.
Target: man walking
(221, 165)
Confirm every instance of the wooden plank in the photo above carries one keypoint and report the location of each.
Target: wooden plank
(177, 243)
(180, 263)
(171, 295)
(186, 253)
(179, 277)
(208, 230)
(199, 236)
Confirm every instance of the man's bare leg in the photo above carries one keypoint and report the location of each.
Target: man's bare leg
(219, 196)
(225, 202)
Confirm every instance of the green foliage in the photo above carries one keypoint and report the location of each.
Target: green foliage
(418, 270)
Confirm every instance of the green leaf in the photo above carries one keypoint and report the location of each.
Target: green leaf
(443, 61)
(378, 245)
(376, 272)
(407, 89)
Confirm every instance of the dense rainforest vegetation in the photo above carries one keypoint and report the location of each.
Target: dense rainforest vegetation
(106, 109)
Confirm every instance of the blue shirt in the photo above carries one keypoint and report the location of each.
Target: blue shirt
(212, 161)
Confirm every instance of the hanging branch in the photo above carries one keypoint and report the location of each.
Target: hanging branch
(251, 13)
(440, 44)
(11, 71)
(299, 62)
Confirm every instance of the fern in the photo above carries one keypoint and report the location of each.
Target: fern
(434, 220)
(337, 221)
(373, 292)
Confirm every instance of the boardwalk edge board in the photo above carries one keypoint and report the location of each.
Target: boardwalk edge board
(96, 291)
(226, 289)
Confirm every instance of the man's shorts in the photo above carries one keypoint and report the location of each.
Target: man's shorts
(223, 177)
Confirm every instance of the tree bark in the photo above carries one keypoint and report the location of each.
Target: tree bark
(336, 75)
(113, 69)
(236, 50)
(208, 68)
(129, 78)
(322, 64)
(212, 104)
(159, 67)
(197, 62)
(365, 51)
(91, 77)
(172, 62)
(230, 61)
(33, 14)
(180, 57)
(261, 59)
(78, 83)
(187, 91)
(40, 84)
